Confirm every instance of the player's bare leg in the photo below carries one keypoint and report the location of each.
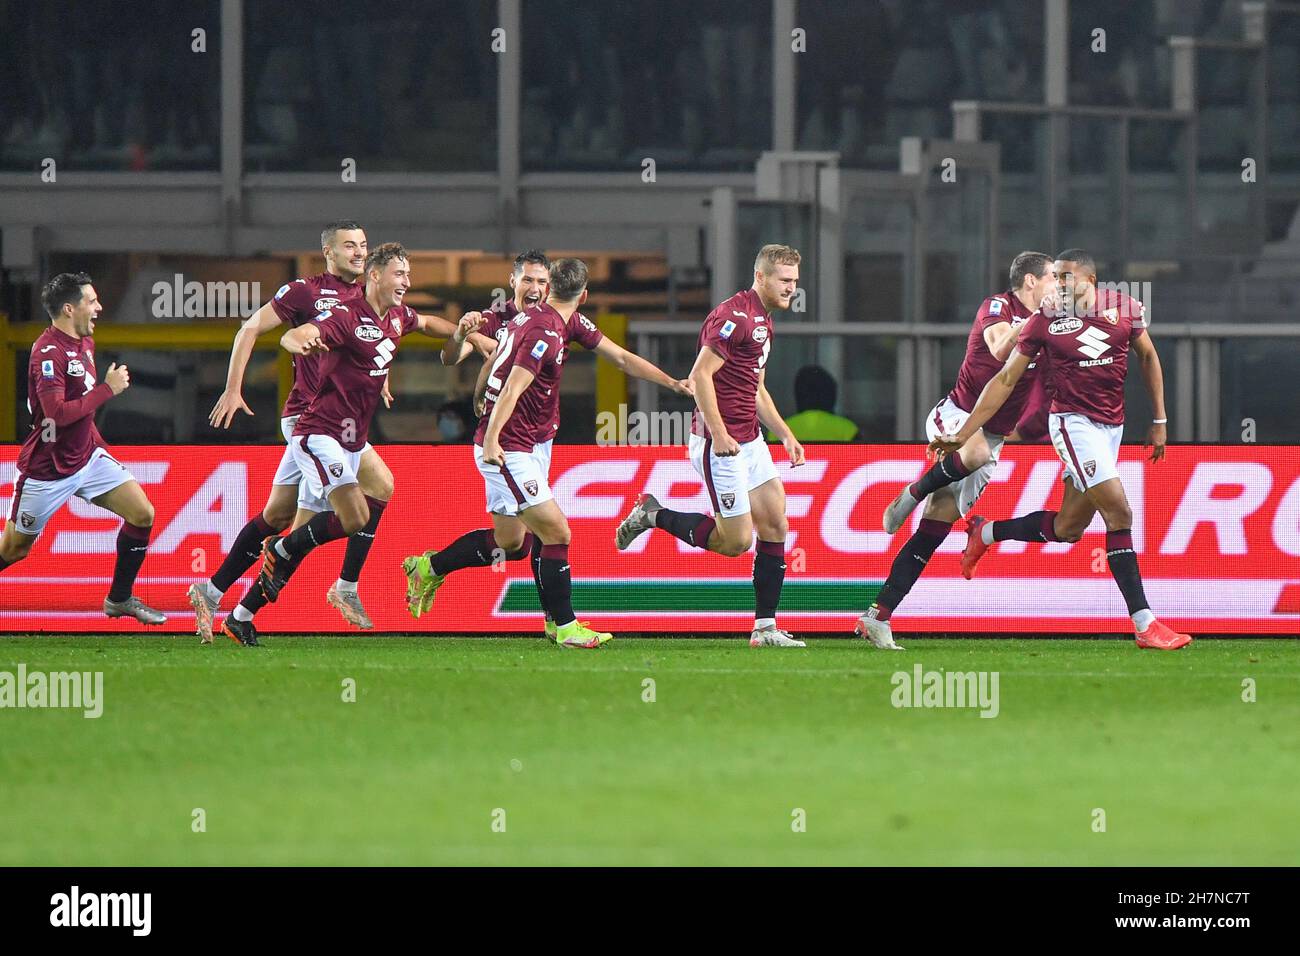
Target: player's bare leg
(277, 513)
(129, 502)
(14, 545)
(376, 482)
(946, 470)
(549, 525)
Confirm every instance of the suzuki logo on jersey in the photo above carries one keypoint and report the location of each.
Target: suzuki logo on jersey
(384, 352)
(369, 333)
(1093, 342)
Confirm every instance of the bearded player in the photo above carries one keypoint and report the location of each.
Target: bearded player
(727, 447)
(357, 342)
(955, 481)
(65, 455)
(514, 454)
(1087, 336)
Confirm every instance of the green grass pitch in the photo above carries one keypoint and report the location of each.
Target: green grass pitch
(447, 733)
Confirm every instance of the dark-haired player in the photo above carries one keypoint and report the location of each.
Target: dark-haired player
(356, 342)
(513, 445)
(727, 447)
(65, 455)
(955, 481)
(1087, 336)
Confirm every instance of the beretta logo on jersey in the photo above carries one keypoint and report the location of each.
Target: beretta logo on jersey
(760, 333)
(369, 333)
(1065, 326)
(326, 303)
(76, 368)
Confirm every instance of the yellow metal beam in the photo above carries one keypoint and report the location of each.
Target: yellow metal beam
(611, 381)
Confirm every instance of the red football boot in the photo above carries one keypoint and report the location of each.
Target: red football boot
(1157, 637)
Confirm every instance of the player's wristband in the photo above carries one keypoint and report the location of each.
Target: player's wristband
(1159, 421)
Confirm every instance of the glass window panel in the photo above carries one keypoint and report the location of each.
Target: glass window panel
(687, 83)
(396, 88)
(99, 89)
(1243, 365)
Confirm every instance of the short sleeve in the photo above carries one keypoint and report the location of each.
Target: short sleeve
(537, 349)
(336, 326)
(292, 300)
(410, 320)
(1033, 335)
(724, 330)
(583, 331)
(51, 370)
(994, 309)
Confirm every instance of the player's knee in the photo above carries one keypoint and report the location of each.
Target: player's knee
(354, 520)
(1119, 519)
(975, 458)
(775, 531)
(17, 549)
(382, 487)
(732, 547)
(509, 542)
(1069, 533)
(278, 516)
(141, 515)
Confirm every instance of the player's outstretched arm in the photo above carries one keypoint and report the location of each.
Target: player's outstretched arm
(770, 418)
(1153, 377)
(436, 327)
(995, 394)
(231, 399)
(637, 367)
(706, 366)
(518, 380)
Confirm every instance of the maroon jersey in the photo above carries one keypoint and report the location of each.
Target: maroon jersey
(1088, 355)
(534, 340)
(301, 301)
(353, 371)
(510, 327)
(740, 330)
(980, 364)
(61, 387)
(1033, 420)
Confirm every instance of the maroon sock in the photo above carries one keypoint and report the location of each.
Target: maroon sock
(908, 565)
(690, 527)
(132, 543)
(354, 556)
(945, 471)
(243, 553)
(1037, 526)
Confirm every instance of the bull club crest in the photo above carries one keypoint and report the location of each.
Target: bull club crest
(27, 520)
(1111, 316)
(728, 500)
(336, 470)
(1090, 468)
(531, 488)
(397, 326)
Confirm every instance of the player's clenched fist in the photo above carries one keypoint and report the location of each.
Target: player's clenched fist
(724, 446)
(469, 323)
(492, 453)
(684, 386)
(118, 378)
